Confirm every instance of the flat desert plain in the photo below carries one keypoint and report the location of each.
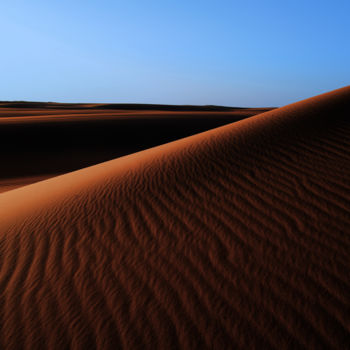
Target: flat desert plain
(237, 237)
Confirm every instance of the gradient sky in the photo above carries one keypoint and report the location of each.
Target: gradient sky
(237, 53)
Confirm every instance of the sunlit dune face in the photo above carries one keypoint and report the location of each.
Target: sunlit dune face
(237, 237)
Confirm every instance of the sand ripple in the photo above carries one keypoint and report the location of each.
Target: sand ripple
(233, 238)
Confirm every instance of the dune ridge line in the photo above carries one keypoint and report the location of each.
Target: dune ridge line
(237, 237)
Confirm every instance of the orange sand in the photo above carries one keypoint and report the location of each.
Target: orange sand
(237, 237)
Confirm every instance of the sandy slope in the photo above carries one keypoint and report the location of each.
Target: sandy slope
(234, 238)
(41, 140)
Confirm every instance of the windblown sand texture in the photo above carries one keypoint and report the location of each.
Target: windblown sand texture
(237, 237)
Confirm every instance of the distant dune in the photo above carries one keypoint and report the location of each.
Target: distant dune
(234, 238)
(41, 140)
(116, 106)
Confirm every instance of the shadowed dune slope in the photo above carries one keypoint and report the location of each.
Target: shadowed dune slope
(52, 139)
(237, 237)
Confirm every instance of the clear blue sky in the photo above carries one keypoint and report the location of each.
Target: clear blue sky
(238, 53)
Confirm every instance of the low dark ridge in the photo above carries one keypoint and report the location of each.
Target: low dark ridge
(122, 106)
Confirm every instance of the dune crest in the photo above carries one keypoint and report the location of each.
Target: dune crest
(237, 237)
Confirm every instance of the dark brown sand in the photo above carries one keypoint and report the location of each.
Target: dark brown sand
(41, 140)
(237, 237)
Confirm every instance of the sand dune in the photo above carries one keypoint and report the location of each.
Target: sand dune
(41, 140)
(115, 106)
(237, 237)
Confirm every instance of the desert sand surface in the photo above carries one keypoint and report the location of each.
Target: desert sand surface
(234, 238)
(42, 140)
